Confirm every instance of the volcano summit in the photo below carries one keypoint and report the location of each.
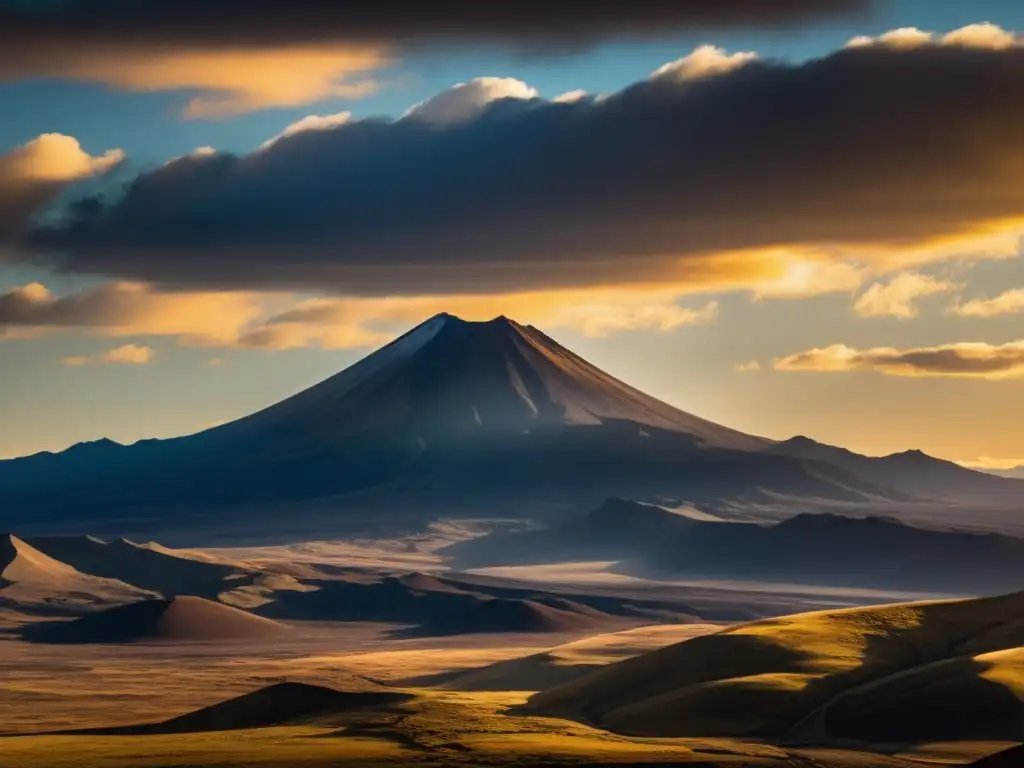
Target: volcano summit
(455, 416)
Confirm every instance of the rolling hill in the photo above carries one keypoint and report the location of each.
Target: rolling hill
(850, 674)
(280, 704)
(445, 605)
(1010, 758)
(180, 619)
(496, 614)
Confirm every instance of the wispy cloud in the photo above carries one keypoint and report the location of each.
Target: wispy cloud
(1008, 303)
(976, 360)
(129, 354)
(899, 297)
(288, 321)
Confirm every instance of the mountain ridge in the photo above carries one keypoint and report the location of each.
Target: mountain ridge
(452, 414)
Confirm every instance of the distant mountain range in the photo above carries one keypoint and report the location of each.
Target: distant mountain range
(122, 591)
(823, 549)
(1015, 472)
(456, 418)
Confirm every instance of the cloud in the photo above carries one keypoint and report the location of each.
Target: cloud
(308, 123)
(807, 274)
(464, 101)
(750, 367)
(1007, 303)
(130, 309)
(982, 36)
(964, 360)
(569, 97)
(747, 178)
(129, 354)
(364, 322)
(236, 81)
(705, 61)
(904, 37)
(37, 172)
(287, 321)
(250, 54)
(597, 319)
(898, 297)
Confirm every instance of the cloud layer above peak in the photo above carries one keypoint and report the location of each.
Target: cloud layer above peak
(732, 172)
(243, 55)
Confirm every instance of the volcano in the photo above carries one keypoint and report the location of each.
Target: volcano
(453, 415)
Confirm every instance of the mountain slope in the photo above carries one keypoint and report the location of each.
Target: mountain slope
(912, 472)
(453, 415)
(452, 412)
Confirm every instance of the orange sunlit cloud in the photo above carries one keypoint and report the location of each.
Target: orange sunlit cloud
(131, 309)
(974, 360)
(231, 80)
(128, 354)
(283, 321)
(357, 322)
(54, 158)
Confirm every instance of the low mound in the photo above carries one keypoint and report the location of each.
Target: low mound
(1010, 758)
(279, 704)
(148, 566)
(506, 615)
(567, 662)
(178, 619)
(769, 677)
(30, 579)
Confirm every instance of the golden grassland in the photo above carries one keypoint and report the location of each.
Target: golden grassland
(435, 728)
(772, 679)
(721, 698)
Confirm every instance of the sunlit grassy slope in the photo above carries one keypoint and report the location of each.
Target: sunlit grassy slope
(562, 663)
(773, 678)
(434, 729)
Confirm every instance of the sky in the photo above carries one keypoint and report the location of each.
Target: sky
(793, 218)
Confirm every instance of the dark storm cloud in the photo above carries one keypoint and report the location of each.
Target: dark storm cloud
(869, 144)
(28, 31)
